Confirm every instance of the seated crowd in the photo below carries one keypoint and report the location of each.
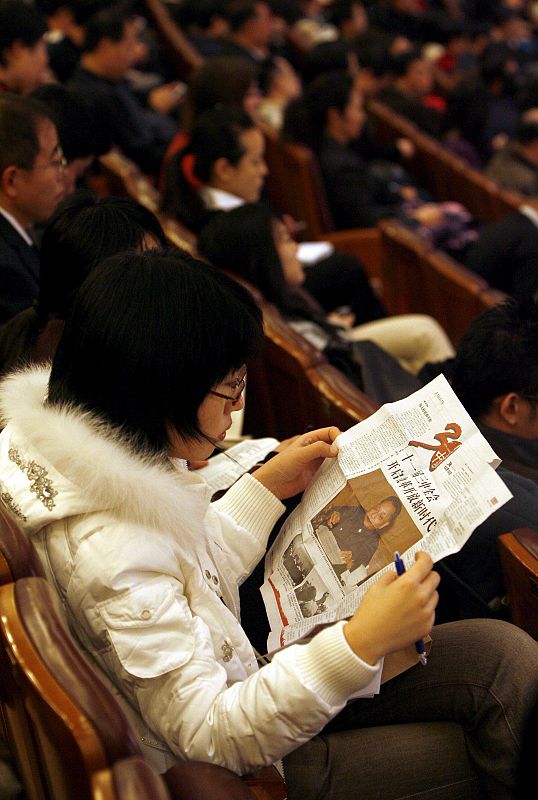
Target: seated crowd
(123, 357)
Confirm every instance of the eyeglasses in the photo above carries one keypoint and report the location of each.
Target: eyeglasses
(59, 162)
(235, 398)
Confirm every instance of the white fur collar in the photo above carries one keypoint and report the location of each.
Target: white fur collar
(107, 471)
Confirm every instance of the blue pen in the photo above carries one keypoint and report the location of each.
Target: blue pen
(419, 646)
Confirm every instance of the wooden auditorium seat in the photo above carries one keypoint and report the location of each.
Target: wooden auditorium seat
(418, 279)
(119, 176)
(402, 269)
(455, 294)
(295, 186)
(75, 725)
(518, 552)
(129, 779)
(18, 556)
(291, 387)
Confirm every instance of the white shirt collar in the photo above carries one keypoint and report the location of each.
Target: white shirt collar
(219, 200)
(17, 225)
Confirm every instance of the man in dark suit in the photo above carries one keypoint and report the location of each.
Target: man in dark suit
(31, 186)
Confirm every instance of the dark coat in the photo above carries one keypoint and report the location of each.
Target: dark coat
(19, 272)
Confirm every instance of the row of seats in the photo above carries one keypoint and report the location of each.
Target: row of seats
(67, 733)
(418, 279)
(291, 387)
(444, 173)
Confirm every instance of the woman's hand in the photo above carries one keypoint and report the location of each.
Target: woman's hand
(395, 612)
(290, 472)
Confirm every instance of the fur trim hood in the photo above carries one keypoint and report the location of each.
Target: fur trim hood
(90, 467)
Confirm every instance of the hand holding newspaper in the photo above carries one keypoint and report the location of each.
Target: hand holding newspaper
(416, 475)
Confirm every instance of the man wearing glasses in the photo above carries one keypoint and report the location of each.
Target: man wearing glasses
(31, 186)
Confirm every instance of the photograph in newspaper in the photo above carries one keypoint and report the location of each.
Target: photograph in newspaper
(416, 475)
(362, 527)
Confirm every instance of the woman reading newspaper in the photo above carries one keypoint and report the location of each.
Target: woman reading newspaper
(93, 462)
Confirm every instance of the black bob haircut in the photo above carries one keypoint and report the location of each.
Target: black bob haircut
(83, 231)
(149, 335)
(498, 354)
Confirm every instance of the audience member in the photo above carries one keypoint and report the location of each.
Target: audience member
(506, 253)
(250, 242)
(495, 376)
(205, 23)
(223, 167)
(23, 53)
(124, 529)
(82, 232)
(230, 81)
(279, 85)
(251, 30)
(329, 118)
(66, 20)
(111, 48)
(31, 186)
(408, 92)
(83, 137)
(516, 165)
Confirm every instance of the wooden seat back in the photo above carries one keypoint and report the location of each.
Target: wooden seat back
(295, 186)
(129, 779)
(76, 726)
(518, 551)
(18, 556)
(402, 269)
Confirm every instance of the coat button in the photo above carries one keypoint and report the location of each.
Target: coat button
(227, 650)
(215, 579)
(207, 574)
(145, 614)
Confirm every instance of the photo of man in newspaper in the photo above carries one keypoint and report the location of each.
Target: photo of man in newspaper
(353, 531)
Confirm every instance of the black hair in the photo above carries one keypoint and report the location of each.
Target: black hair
(199, 13)
(223, 80)
(239, 12)
(400, 63)
(19, 22)
(80, 132)
(107, 23)
(216, 134)
(20, 118)
(242, 241)
(305, 119)
(341, 11)
(82, 232)
(149, 335)
(497, 355)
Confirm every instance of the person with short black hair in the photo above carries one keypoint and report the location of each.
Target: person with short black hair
(151, 365)
(23, 53)
(84, 230)
(31, 186)
(111, 49)
(83, 136)
(495, 375)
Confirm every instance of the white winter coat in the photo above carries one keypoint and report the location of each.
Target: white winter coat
(148, 571)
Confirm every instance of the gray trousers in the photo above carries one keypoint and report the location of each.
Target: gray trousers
(451, 730)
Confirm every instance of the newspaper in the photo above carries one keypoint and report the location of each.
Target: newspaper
(225, 468)
(416, 475)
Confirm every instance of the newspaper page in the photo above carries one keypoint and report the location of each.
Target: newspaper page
(416, 475)
(228, 466)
